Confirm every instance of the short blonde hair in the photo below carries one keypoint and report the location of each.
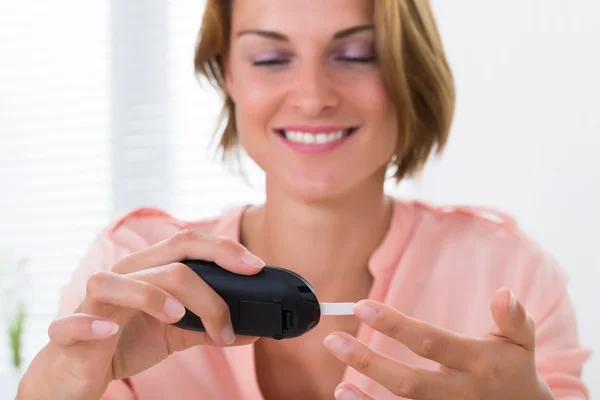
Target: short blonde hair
(414, 67)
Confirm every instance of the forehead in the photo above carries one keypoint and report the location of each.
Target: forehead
(301, 16)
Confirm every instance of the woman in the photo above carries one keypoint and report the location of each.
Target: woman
(325, 96)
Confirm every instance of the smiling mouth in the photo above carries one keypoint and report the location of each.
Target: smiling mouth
(316, 138)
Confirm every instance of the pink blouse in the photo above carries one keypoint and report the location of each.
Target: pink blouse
(440, 265)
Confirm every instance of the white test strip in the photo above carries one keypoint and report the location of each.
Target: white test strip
(336, 308)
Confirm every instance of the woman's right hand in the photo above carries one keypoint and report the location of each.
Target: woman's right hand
(123, 326)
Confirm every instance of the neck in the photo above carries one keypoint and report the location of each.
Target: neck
(328, 243)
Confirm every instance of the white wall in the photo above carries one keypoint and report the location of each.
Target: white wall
(527, 131)
(55, 154)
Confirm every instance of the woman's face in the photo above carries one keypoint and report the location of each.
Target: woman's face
(311, 107)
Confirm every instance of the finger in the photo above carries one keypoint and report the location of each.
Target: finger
(67, 330)
(400, 379)
(182, 339)
(107, 288)
(513, 322)
(190, 244)
(194, 293)
(428, 341)
(346, 391)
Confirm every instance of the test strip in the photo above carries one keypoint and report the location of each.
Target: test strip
(336, 308)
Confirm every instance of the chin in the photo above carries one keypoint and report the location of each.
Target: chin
(320, 179)
(317, 190)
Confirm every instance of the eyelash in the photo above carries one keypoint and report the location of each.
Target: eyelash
(276, 62)
(358, 59)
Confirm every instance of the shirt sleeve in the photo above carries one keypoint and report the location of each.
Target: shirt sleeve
(131, 232)
(103, 253)
(109, 246)
(541, 284)
(560, 357)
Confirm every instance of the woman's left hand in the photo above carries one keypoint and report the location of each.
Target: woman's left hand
(500, 365)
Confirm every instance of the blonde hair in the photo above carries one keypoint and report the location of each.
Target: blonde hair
(414, 67)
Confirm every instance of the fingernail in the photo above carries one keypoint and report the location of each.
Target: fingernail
(345, 394)
(512, 303)
(336, 344)
(227, 335)
(174, 309)
(366, 312)
(251, 260)
(103, 328)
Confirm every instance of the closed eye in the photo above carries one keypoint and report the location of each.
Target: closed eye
(278, 62)
(356, 59)
(272, 62)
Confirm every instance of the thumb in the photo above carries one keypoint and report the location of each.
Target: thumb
(513, 322)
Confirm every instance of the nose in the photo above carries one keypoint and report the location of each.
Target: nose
(313, 92)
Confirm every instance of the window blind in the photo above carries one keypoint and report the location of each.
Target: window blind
(100, 113)
(54, 147)
(201, 184)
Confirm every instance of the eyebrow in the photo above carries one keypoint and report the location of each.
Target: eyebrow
(278, 36)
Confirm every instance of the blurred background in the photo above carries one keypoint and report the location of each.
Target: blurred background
(100, 112)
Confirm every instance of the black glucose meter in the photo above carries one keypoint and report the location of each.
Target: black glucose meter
(275, 302)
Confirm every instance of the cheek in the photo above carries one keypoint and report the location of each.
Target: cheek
(370, 98)
(254, 106)
(256, 99)
(255, 103)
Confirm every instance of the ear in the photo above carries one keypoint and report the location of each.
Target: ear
(227, 76)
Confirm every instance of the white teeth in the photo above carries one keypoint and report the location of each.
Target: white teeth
(311, 138)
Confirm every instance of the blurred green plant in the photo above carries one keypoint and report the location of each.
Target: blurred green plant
(15, 333)
(13, 280)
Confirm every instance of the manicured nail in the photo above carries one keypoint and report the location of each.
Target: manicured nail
(174, 309)
(103, 328)
(345, 394)
(227, 334)
(337, 345)
(512, 304)
(251, 260)
(366, 312)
